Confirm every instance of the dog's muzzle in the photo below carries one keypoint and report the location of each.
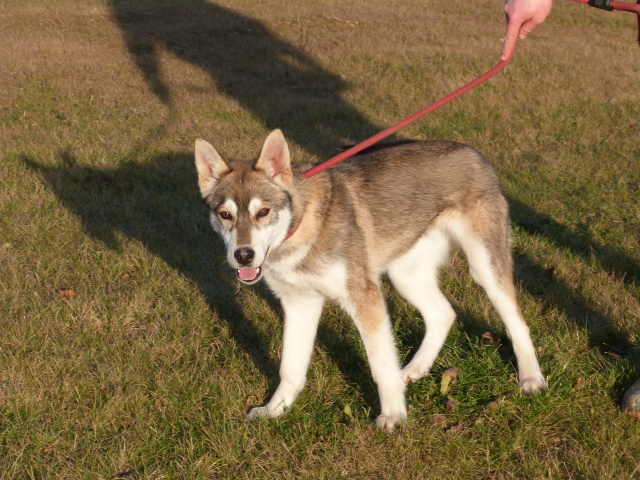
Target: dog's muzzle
(247, 274)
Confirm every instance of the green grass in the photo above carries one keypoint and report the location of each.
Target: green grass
(148, 368)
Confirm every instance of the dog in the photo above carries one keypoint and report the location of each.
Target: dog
(396, 210)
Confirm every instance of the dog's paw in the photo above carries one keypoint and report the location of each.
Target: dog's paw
(387, 423)
(533, 385)
(411, 374)
(268, 411)
(259, 412)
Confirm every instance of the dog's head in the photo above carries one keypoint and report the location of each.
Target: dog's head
(249, 201)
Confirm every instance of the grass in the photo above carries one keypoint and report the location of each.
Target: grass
(127, 349)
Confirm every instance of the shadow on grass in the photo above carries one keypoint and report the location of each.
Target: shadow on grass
(157, 204)
(276, 81)
(581, 244)
(280, 84)
(542, 283)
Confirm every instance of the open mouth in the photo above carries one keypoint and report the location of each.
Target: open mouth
(249, 275)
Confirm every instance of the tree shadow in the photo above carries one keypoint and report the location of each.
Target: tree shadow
(279, 83)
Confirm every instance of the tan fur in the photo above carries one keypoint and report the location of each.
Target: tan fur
(398, 210)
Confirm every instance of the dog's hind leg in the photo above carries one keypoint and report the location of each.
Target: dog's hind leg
(369, 312)
(485, 240)
(415, 277)
(301, 316)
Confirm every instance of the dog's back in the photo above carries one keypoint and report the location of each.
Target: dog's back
(387, 197)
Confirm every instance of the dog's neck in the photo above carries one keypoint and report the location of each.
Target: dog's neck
(306, 202)
(291, 232)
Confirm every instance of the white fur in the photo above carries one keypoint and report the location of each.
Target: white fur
(302, 314)
(267, 236)
(331, 282)
(302, 296)
(415, 276)
(385, 367)
(530, 376)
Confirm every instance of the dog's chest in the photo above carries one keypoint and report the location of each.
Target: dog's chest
(330, 280)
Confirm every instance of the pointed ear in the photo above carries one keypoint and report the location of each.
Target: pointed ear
(211, 166)
(275, 159)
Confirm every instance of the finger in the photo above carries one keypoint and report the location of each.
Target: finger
(526, 29)
(509, 41)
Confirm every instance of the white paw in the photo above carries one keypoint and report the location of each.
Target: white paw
(270, 410)
(533, 385)
(258, 412)
(412, 373)
(387, 423)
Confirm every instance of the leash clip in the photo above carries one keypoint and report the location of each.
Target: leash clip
(602, 4)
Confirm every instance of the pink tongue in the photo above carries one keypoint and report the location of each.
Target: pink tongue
(247, 274)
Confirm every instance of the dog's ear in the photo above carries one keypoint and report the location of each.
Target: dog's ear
(211, 166)
(275, 159)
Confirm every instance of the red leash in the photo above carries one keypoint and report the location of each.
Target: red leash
(604, 4)
(385, 133)
(612, 5)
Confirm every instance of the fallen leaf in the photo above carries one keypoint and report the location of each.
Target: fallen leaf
(454, 429)
(439, 418)
(490, 337)
(451, 404)
(447, 377)
(66, 293)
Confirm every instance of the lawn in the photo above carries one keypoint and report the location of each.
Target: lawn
(127, 348)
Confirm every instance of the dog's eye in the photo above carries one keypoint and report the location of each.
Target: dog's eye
(224, 215)
(263, 212)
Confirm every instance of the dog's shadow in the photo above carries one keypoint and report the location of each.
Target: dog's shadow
(157, 204)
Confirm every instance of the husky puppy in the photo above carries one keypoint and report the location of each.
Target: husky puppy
(396, 210)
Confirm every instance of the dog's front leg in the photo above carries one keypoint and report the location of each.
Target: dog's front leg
(369, 312)
(301, 316)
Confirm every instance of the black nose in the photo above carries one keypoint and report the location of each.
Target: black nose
(244, 255)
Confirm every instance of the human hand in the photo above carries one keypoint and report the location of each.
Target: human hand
(523, 16)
